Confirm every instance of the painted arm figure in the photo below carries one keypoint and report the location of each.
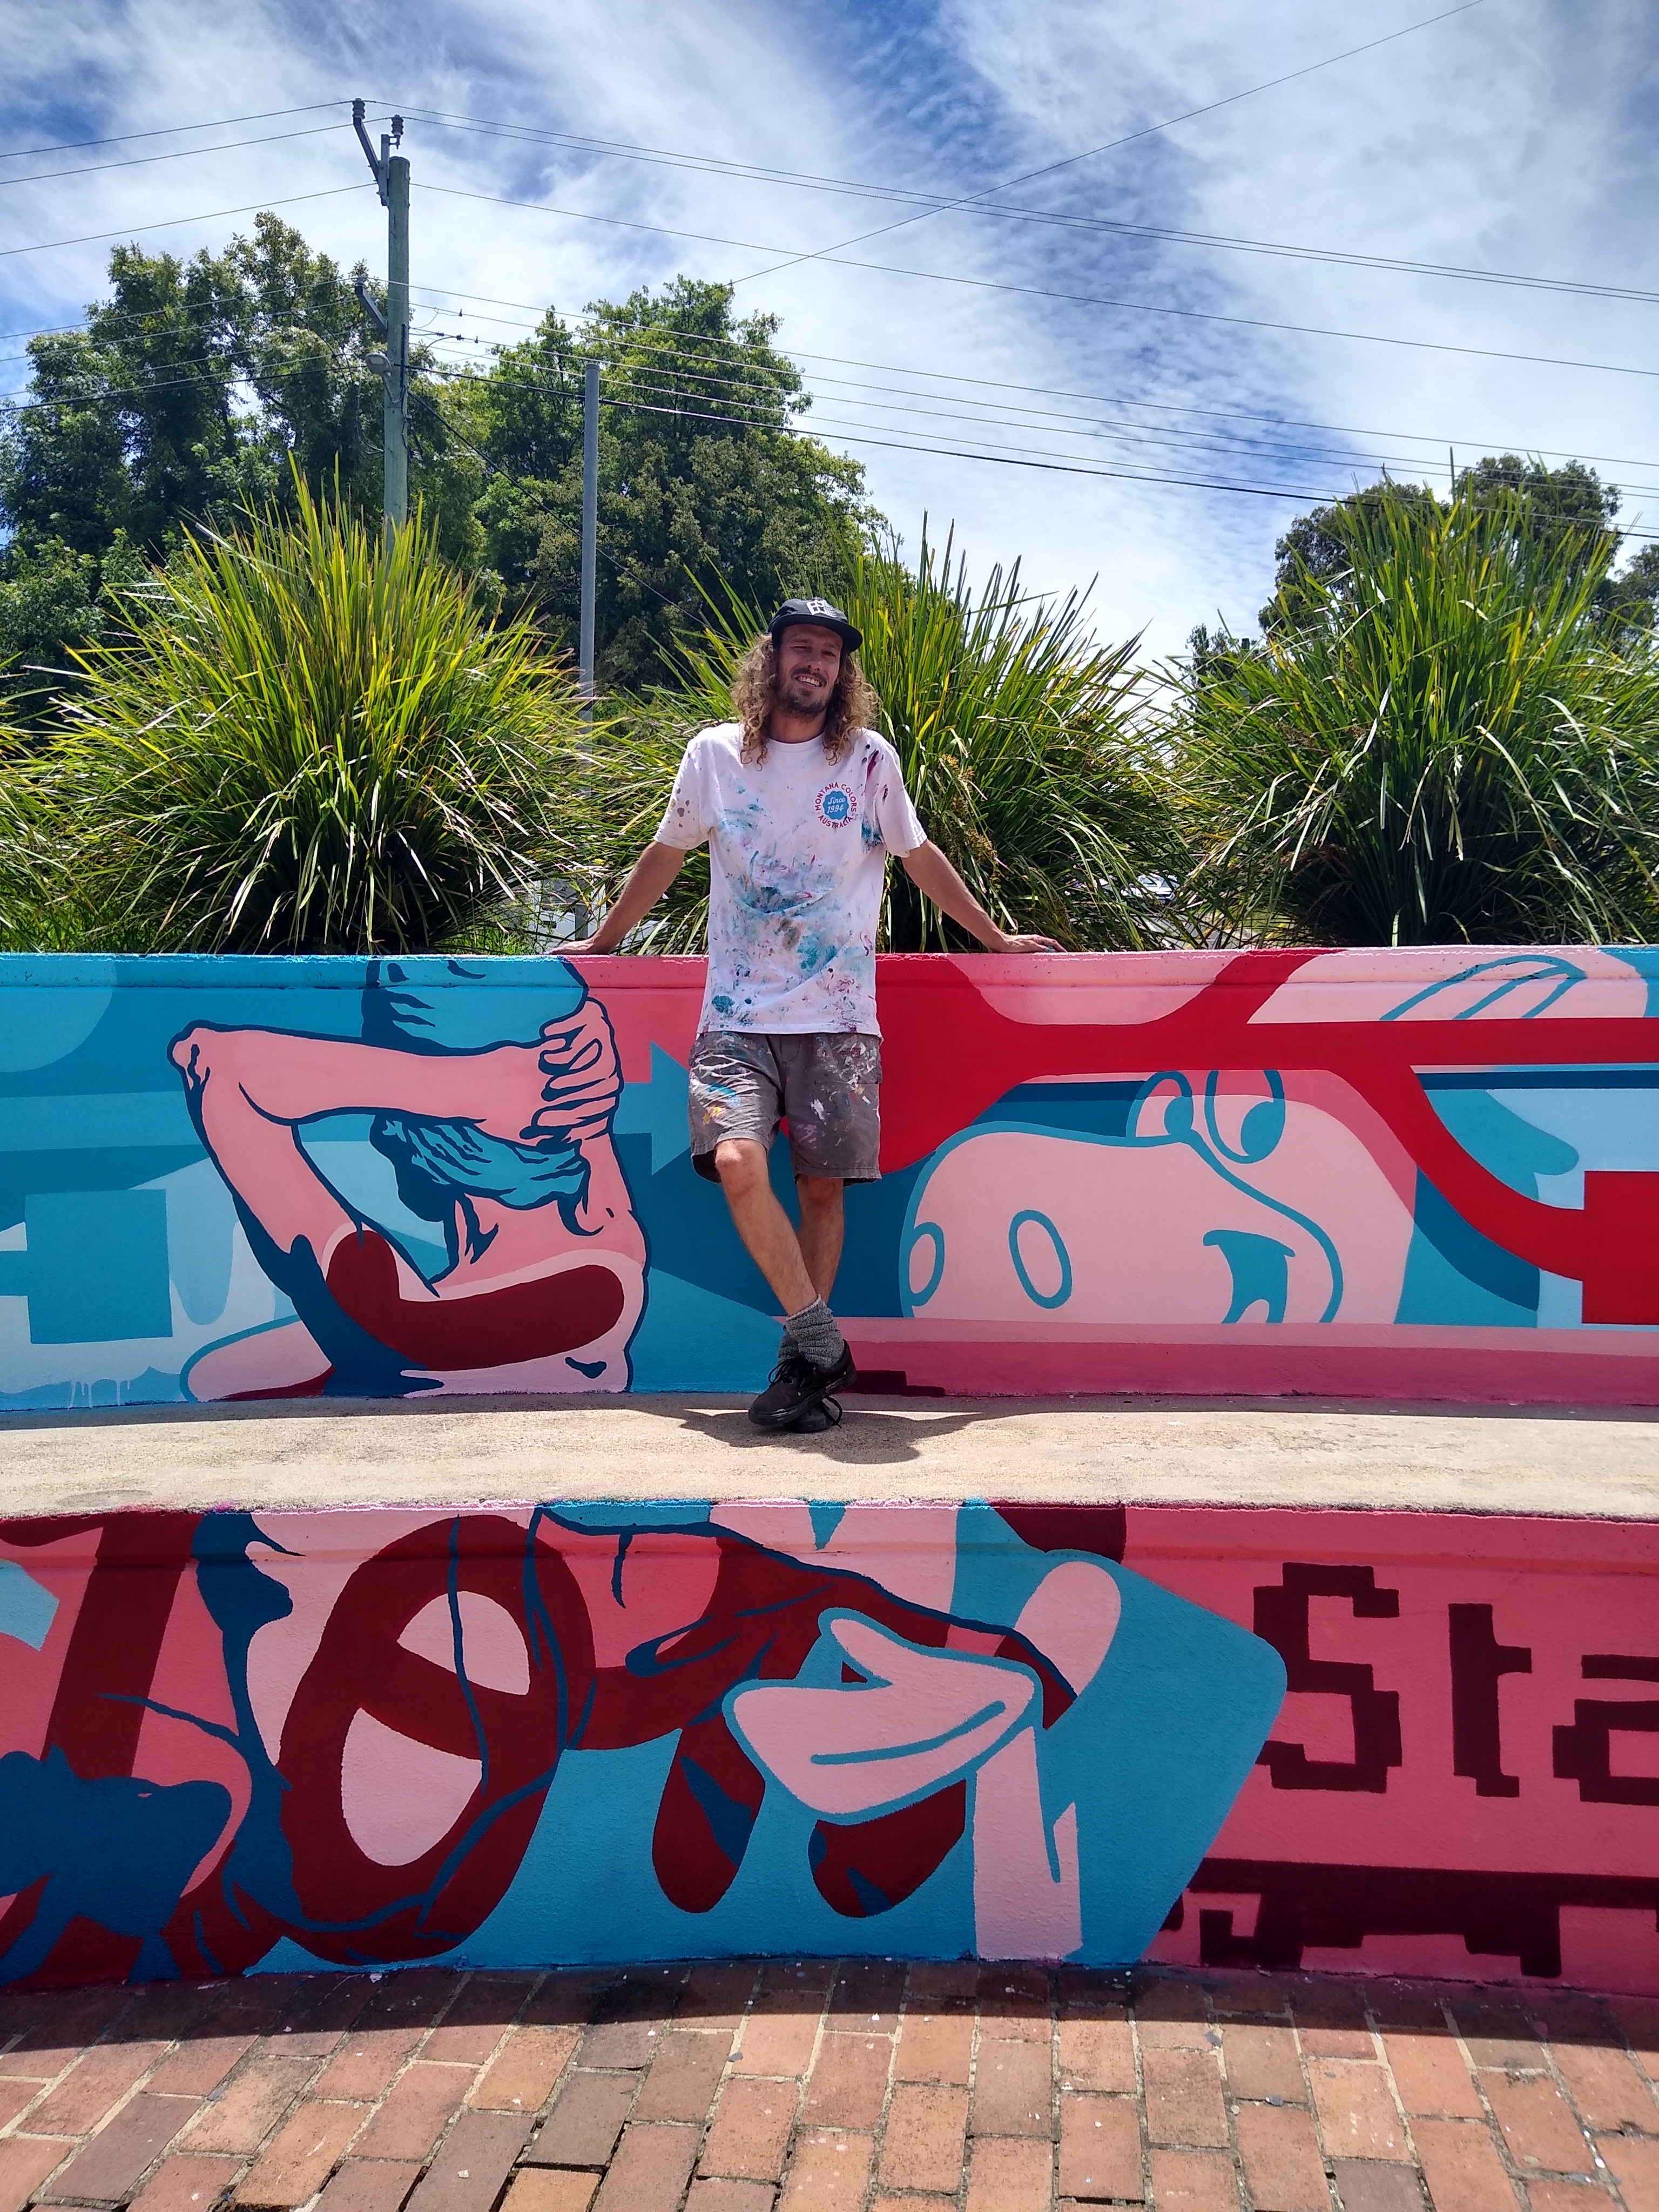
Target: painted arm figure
(507, 1151)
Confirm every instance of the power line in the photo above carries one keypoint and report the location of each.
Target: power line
(1050, 421)
(178, 154)
(1052, 168)
(908, 402)
(1049, 292)
(167, 130)
(1029, 458)
(1058, 392)
(934, 203)
(1053, 464)
(173, 222)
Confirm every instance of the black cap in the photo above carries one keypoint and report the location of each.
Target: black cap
(819, 611)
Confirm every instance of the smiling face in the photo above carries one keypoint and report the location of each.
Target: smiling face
(808, 663)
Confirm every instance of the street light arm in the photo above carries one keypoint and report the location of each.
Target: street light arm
(376, 163)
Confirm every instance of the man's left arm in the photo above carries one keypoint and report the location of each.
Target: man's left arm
(935, 878)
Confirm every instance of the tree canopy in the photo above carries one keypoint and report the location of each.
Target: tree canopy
(1567, 507)
(200, 389)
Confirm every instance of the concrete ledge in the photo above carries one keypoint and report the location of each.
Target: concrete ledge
(1596, 1462)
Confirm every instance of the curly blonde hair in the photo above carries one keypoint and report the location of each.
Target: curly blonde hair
(853, 706)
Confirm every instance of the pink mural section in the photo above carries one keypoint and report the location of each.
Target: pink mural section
(1463, 1780)
(243, 1740)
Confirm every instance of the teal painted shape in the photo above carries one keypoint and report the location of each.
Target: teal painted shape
(43, 1025)
(97, 1266)
(1456, 1278)
(338, 1145)
(26, 1610)
(1260, 1270)
(1645, 959)
(201, 1240)
(1518, 1152)
(97, 1120)
(694, 1339)
(657, 1110)
(826, 1519)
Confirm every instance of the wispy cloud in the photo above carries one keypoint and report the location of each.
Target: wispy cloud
(1515, 135)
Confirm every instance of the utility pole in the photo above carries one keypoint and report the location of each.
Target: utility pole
(589, 528)
(391, 181)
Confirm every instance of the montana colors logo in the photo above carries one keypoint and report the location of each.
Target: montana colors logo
(835, 805)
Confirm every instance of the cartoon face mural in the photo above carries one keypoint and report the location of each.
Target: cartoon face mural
(1434, 1170)
(381, 1736)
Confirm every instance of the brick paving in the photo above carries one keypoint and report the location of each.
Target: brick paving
(871, 2086)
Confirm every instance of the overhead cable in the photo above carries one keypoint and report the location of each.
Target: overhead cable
(935, 203)
(1051, 292)
(166, 130)
(174, 222)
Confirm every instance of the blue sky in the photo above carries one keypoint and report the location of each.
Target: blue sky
(1517, 136)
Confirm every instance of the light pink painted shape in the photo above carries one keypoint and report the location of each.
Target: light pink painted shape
(919, 1718)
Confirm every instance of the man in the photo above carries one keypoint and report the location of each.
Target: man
(800, 801)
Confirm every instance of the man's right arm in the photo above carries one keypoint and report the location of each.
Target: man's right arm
(653, 871)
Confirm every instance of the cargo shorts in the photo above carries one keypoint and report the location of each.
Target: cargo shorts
(827, 1087)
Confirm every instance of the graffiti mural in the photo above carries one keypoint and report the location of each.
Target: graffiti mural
(237, 1740)
(1412, 1743)
(1429, 1172)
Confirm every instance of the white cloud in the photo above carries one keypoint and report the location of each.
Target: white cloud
(1512, 137)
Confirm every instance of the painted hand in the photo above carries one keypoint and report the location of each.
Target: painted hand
(916, 1719)
(583, 1077)
(563, 1088)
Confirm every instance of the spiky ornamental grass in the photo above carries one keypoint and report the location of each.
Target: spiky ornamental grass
(1021, 742)
(311, 741)
(1439, 750)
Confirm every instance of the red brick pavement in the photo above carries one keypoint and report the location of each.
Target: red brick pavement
(790, 2086)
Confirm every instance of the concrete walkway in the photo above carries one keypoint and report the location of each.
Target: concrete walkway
(867, 2087)
(1268, 1452)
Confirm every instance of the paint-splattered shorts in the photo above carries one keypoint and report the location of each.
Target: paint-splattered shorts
(827, 1087)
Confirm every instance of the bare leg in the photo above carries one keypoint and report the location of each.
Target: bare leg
(768, 1234)
(823, 1229)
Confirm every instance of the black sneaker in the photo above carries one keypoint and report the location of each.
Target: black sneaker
(826, 1414)
(796, 1387)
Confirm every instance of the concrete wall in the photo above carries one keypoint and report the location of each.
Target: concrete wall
(516, 1735)
(1420, 1173)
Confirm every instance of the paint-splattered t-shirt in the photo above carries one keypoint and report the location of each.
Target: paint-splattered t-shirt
(796, 852)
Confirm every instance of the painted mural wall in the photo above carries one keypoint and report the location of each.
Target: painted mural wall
(516, 1735)
(1429, 1172)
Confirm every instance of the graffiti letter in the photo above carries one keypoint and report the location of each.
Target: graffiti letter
(1584, 1752)
(1281, 1619)
(1478, 1662)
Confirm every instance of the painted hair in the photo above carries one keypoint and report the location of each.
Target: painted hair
(853, 704)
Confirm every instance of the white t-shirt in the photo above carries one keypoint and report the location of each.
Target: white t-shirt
(796, 850)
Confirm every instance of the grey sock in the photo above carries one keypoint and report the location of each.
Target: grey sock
(813, 1334)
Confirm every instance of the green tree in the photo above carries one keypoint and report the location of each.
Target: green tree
(1443, 746)
(703, 481)
(52, 601)
(306, 741)
(1568, 503)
